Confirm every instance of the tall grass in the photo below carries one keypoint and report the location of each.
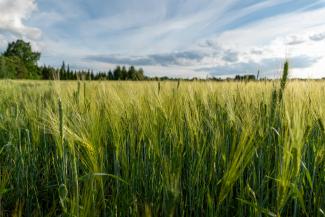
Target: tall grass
(179, 149)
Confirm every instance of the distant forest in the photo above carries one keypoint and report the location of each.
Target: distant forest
(19, 61)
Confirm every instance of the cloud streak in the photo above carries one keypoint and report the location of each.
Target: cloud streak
(168, 59)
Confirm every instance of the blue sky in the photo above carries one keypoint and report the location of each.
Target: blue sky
(178, 38)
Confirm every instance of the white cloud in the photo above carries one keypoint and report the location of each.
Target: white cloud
(284, 36)
(13, 13)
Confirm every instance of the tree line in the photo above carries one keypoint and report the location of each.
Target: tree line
(19, 61)
(65, 73)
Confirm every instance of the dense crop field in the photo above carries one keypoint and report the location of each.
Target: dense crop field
(162, 149)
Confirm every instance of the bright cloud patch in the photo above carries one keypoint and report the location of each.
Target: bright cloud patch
(13, 13)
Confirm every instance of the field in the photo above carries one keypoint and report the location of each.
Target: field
(162, 148)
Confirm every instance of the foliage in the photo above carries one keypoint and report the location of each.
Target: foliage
(64, 73)
(23, 50)
(245, 77)
(13, 67)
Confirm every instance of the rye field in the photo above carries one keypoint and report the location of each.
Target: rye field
(100, 148)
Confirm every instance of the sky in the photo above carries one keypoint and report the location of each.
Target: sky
(176, 38)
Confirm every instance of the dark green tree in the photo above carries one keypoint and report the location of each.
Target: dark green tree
(117, 73)
(132, 73)
(124, 73)
(12, 68)
(110, 75)
(63, 71)
(140, 75)
(48, 73)
(23, 50)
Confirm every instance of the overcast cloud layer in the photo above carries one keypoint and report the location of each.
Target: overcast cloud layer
(178, 38)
